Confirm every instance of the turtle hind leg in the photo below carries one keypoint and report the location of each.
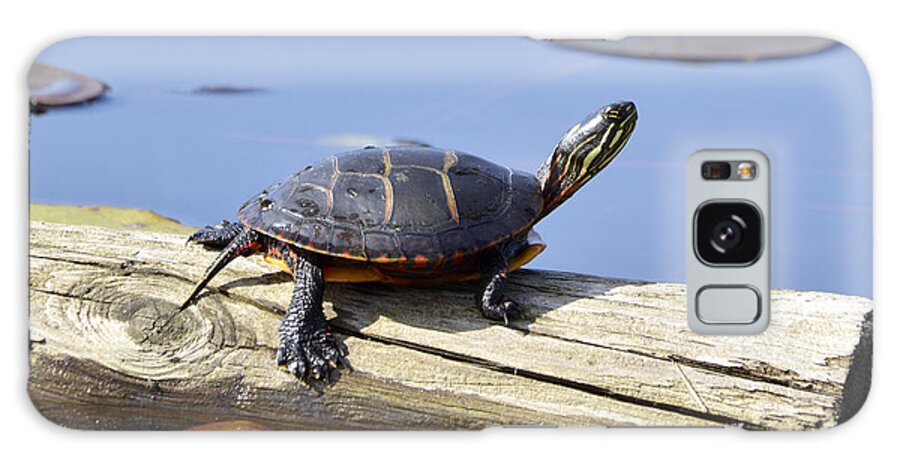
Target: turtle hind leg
(490, 299)
(217, 236)
(307, 348)
(244, 243)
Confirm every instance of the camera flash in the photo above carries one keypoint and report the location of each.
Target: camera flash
(746, 170)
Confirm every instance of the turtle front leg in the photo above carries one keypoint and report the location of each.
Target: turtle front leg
(308, 349)
(490, 299)
(217, 236)
(242, 241)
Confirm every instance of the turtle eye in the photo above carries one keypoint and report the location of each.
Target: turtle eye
(618, 112)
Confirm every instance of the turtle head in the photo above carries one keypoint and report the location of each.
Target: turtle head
(585, 150)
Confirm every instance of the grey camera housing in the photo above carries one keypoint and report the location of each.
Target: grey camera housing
(730, 299)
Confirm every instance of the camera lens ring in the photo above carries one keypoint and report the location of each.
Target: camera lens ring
(741, 246)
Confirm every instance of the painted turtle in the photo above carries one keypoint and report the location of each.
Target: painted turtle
(407, 215)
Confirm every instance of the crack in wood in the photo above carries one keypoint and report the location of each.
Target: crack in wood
(808, 385)
(587, 388)
(690, 387)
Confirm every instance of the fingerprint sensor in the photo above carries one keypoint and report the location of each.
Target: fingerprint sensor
(722, 304)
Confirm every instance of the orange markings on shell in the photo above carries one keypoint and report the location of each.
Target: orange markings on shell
(382, 259)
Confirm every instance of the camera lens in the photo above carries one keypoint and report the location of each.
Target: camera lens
(728, 233)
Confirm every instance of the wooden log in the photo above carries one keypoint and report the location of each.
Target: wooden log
(591, 351)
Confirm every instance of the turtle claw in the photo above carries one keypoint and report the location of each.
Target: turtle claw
(297, 368)
(313, 359)
(217, 236)
(504, 310)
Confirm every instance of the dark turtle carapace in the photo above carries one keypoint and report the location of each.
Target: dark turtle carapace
(405, 215)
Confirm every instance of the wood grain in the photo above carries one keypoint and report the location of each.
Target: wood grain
(591, 351)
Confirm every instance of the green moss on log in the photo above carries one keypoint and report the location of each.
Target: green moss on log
(107, 216)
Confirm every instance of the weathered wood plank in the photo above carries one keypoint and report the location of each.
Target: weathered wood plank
(95, 300)
(592, 351)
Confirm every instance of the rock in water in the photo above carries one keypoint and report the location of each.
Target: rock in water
(703, 49)
(49, 86)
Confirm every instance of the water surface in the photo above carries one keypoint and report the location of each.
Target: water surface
(155, 143)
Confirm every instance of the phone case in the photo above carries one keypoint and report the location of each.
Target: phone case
(384, 233)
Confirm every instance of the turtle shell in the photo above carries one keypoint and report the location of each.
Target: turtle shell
(397, 204)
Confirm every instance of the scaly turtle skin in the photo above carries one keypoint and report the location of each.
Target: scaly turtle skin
(408, 215)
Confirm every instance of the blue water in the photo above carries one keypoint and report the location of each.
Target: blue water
(155, 144)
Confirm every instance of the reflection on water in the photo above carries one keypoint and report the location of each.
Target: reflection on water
(273, 106)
